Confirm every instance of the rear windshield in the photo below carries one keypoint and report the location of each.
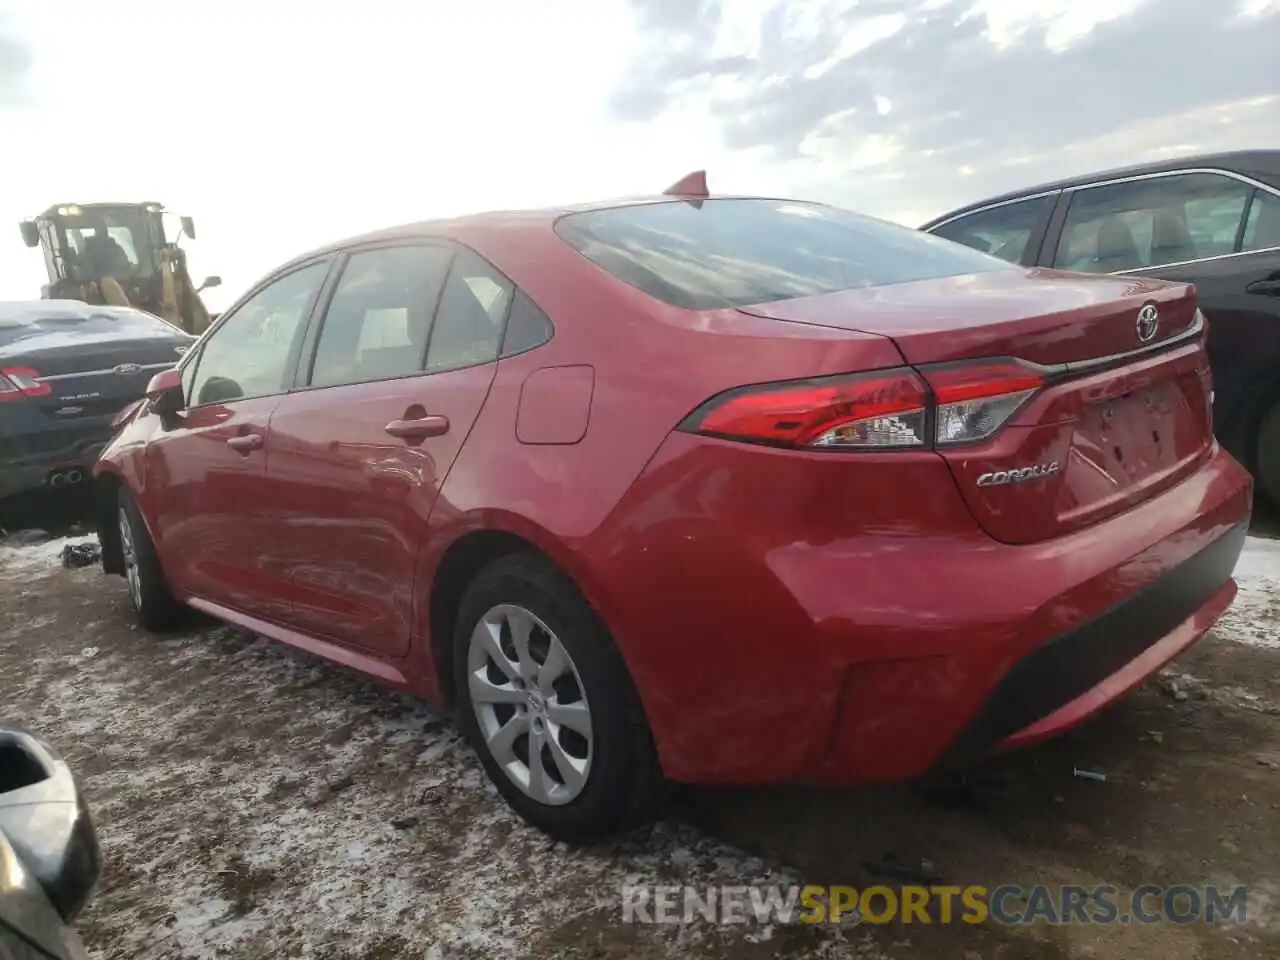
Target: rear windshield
(734, 253)
(20, 322)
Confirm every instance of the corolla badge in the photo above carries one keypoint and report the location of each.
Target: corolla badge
(1148, 322)
(124, 369)
(998, 478)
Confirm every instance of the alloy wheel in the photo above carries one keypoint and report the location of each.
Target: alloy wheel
(530, 704)
(130, 555)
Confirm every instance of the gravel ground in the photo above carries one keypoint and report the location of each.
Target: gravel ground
(253, 803)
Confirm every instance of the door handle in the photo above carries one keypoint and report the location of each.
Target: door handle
(1268, 288)
(419, 428)
(245, 442)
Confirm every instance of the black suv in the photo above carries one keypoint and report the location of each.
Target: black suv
(1211, 220)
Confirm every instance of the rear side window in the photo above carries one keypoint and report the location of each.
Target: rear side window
(79, 321)
(1002, 231)
(527, 326)
(472, 314)
(733, 253)
(1262, 229)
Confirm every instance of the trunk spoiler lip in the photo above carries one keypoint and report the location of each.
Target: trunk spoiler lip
(1074, 367)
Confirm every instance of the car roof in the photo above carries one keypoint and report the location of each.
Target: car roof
(475, 226)
(1261, 164)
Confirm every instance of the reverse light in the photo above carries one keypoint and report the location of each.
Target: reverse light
(976, 399)
(18, 382)
(876, 411)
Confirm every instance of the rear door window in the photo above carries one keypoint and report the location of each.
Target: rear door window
(1152, 222)
(732, 253)
(378, 321)
(1004, 231)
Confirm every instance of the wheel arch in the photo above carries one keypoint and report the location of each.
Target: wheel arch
(485, 538)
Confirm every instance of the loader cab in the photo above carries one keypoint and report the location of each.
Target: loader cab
(126, 254)
(87, 243)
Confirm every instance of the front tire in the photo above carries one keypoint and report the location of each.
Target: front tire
(546, 701)
(153, 603)
(1267, 455)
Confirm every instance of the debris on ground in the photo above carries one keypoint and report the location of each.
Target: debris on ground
(890, 867)
(1089, 775)
(81, 554)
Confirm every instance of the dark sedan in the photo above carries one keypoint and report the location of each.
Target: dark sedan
(1210, 220)
(66, 369)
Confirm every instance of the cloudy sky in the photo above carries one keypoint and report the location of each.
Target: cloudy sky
(282, 124)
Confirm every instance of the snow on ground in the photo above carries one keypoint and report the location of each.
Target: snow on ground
(252, 801)
(1254, 617)
(21, 555)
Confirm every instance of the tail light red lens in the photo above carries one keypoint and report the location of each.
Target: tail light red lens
(18, 382)
(885, 410)
(881, 410)
(976, 399)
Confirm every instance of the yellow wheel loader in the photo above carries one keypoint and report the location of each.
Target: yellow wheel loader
(119, 253)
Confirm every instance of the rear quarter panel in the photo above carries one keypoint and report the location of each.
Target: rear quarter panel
(652, 366)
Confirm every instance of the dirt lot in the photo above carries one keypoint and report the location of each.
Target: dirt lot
(254, 803)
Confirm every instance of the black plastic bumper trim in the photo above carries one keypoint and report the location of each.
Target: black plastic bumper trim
(1069, 665)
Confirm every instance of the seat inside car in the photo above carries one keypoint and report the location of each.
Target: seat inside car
(1170, 238)
(1116, 247)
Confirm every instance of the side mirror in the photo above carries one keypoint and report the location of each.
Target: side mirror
(30, 233)
(209, 283)
(165, 392)
(188, 226)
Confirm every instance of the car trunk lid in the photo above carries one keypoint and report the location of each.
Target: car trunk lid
(92, 377)
(1124, 411)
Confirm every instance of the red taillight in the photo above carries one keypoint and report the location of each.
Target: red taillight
(881, 410)
(16, 382)
(976, 399)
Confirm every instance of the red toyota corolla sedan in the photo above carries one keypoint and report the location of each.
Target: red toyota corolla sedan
(692, 488)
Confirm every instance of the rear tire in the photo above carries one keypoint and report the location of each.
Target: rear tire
(1267, 458)
(153, 602)
(538, 675)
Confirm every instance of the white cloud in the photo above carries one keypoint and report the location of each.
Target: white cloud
(1064, 21)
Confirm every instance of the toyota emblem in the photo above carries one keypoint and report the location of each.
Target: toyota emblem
(124, 369)
(1148, 322)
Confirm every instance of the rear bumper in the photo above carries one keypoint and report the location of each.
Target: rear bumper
(31, 470)
(764, 651)
(1117, 615)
